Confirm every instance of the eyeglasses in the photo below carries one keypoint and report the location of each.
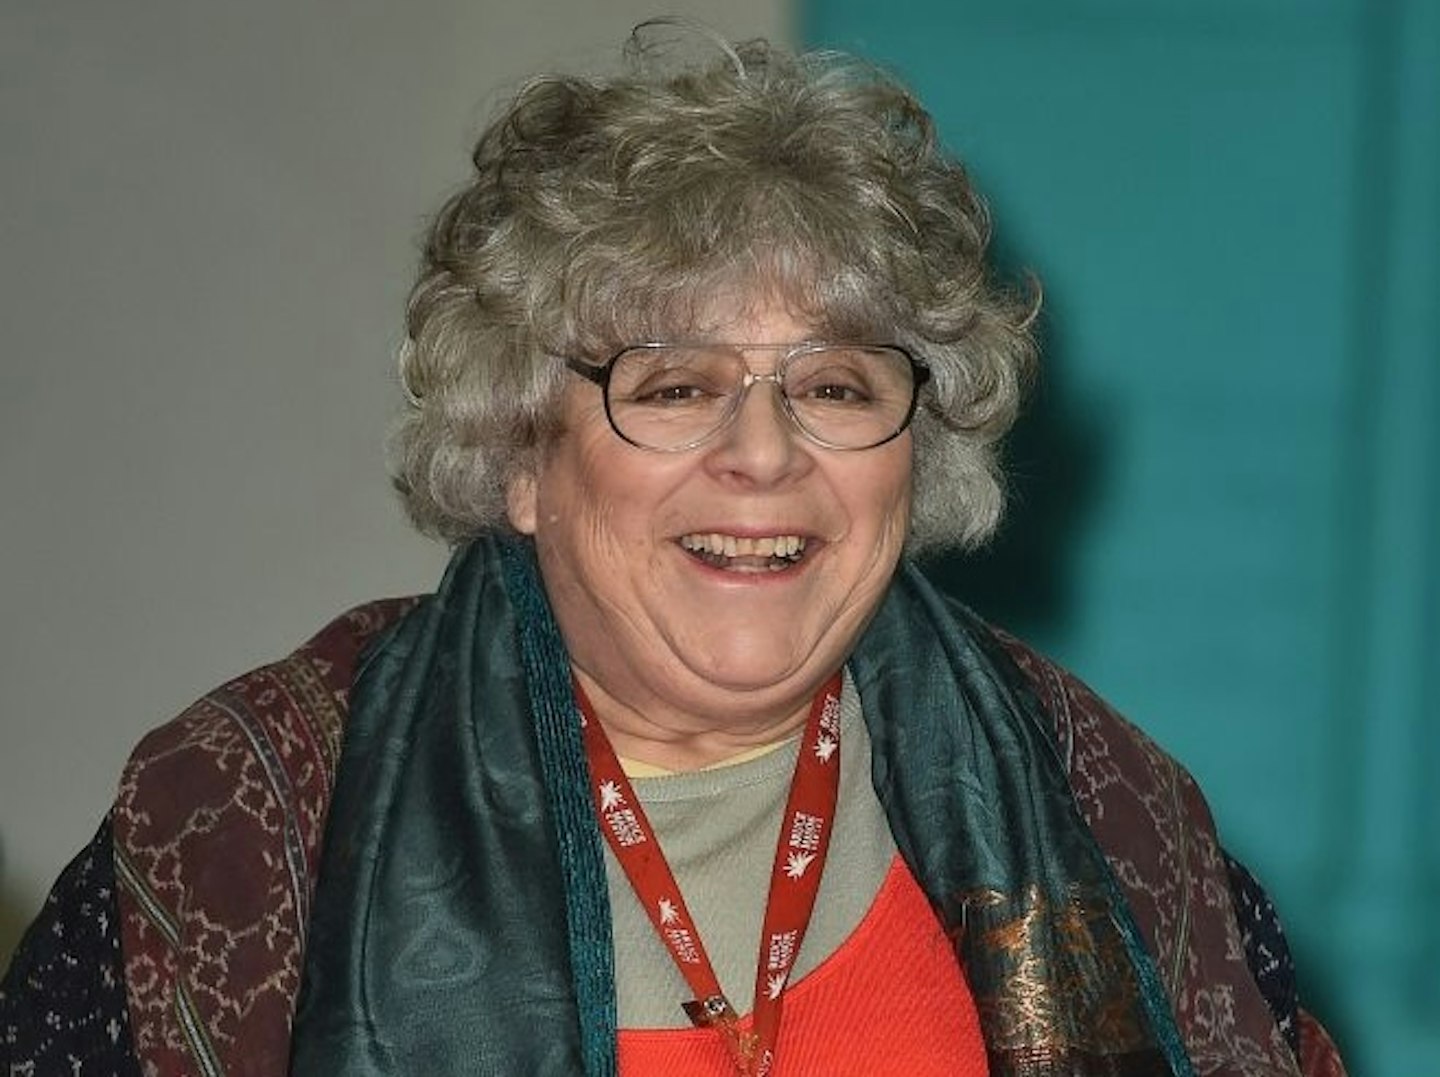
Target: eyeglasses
(673, 397)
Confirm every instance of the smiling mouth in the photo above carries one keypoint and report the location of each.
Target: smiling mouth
(735, 554)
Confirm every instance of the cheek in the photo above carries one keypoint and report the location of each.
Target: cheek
(890, 506)
(585, 506)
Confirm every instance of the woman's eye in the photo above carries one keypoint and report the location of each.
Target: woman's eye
(672, 392)
(840, 394)
(830, 388)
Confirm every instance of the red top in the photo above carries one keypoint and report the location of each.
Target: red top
(890, 1000)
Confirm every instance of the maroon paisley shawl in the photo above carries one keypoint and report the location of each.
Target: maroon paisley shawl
(217, 831)
(220, 815)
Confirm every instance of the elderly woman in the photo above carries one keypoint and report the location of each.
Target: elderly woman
(683, 768)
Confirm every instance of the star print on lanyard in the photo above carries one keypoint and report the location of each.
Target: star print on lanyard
(794, 877)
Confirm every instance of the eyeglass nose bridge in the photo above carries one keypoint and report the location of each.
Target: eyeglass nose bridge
(776, 378)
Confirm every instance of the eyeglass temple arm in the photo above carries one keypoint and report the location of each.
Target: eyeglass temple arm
(600, 375)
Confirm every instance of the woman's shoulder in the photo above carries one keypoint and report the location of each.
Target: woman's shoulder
(1133, 794)
(1155, 827)
(1079, 716)
(259, 751)
(217, 829)
(177, 934)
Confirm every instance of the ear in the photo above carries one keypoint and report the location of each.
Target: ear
(522, 496)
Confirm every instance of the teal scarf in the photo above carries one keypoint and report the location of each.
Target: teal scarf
(461, 923)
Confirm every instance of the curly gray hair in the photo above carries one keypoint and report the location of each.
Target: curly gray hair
(607, 211)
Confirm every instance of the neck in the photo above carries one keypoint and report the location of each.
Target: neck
(682, 742)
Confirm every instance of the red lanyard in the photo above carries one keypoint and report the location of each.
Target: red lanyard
(794, 879)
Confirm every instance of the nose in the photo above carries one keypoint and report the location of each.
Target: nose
(760, 443)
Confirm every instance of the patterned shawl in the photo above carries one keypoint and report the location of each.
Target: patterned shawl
(990, 763)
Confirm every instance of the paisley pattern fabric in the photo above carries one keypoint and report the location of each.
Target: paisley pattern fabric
(217, 831)
(1155, 827)
(217, 834)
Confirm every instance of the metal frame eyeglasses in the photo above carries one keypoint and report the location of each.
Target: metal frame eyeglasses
(673, 397)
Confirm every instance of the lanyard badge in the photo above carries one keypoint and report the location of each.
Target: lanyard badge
(794, 878)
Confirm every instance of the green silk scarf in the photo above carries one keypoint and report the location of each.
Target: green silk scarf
(461, 921)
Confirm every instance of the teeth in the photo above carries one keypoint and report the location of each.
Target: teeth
(716, 545)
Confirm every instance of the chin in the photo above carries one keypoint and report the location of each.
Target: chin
(753, 669)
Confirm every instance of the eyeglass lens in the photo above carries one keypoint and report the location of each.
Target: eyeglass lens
(675, 396)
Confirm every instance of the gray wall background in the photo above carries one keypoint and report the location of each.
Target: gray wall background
(208, 220)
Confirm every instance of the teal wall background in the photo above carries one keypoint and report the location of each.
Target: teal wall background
(1229, 488)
